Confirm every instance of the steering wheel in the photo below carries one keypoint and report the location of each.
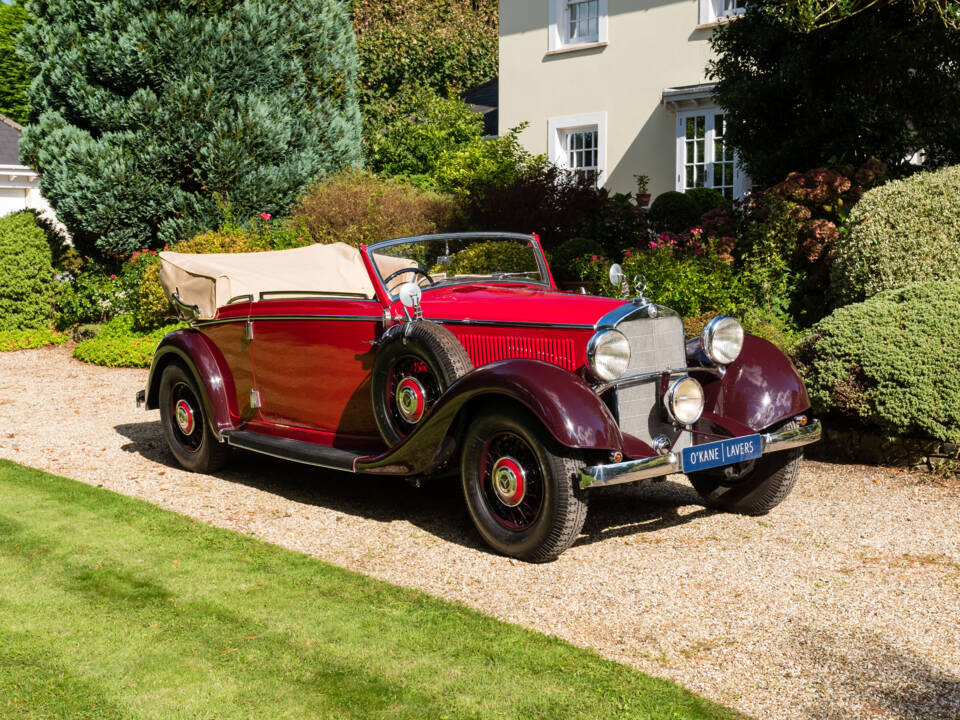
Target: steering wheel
(423, 272)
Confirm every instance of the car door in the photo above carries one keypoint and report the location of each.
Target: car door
(229, 332)
(312, 359)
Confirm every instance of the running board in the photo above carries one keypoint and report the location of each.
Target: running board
(302, 452)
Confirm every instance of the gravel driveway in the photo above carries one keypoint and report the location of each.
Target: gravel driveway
(842, 603)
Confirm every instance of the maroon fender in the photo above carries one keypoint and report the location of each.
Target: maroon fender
(759, 389)
(563, 402)
(203, 360)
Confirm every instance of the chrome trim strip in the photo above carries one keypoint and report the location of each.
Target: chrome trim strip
(447, 236)
(245, 318)
(237, 298)
(660, 465)
(299, 294)
(601, 388)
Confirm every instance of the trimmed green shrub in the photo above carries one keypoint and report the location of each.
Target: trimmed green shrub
(119, 345)
(903, 232)
(29, 339)
(891, 361)
(14, 79)
(360, 208)
(150, 117)
(486, 163)
(26, 273)
(562, 259)
(488, 257)
(674, 212)
(707, 199)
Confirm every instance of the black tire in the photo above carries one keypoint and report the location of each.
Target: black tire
(753, 488)
(186, 427)
(541, 520)
(429, 358)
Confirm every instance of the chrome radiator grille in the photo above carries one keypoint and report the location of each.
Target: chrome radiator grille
(655, 344)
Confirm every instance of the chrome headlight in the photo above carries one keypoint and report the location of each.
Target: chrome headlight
(684, 401)
(722, 340)
(608, 354)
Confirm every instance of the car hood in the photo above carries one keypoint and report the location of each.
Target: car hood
(511, 303)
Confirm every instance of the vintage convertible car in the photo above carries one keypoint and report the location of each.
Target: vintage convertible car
(456, 354)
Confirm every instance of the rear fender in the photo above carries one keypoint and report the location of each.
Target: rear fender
(197, 353)
(761, 388)
(563, 402)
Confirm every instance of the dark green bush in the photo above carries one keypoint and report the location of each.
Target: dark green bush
(29, 339)
(357, 207)
(150, 116)
(119, 345)
(707, 199)
(674, 212)
(488, 257)
(891, 361)
(562, 259)
(903, 232)
(26, 273)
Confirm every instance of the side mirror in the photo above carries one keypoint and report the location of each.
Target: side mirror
(410, 294)
(617, 275)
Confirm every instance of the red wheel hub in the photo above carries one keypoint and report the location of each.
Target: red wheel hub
(184, 415)
(411, 399)
(509, 481)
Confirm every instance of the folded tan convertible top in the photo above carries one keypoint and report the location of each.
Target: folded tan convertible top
(210, 281)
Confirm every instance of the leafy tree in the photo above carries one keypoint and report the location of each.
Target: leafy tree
(807, 15)
(440, 44)
(13, 72)
(149, 117)
(884, 83)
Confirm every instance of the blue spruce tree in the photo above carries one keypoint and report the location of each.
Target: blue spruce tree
(148, 117)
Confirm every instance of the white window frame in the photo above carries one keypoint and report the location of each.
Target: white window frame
(741, 181)
(558, 128)
(712, 11)
(558, 27)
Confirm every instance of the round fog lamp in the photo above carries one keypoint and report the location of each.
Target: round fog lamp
(608, 354)
(684, 401)
(722, 340)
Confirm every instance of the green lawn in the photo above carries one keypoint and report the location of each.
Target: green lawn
(111, 607)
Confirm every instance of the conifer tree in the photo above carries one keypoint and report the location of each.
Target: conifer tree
(151, 119)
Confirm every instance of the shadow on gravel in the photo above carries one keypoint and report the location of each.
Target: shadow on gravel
(437, 507)
(884, 680)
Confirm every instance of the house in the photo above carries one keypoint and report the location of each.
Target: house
(618, 88)
(19, 184)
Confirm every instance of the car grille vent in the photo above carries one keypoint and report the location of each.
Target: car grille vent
(484, 349)
(655, 344)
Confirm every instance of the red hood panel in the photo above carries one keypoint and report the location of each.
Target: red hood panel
(514, 303)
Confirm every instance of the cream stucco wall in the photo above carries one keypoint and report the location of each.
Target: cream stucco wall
(652, 44)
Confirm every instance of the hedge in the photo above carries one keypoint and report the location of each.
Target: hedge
(903, 232)
(892, 361)
(26, 274)
(29, 339)
(119, 345)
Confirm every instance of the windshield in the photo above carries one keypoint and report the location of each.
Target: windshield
(436, 260)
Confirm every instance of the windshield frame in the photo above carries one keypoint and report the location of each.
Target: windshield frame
(533, 241)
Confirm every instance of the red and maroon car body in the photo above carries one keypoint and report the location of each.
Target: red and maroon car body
(292, 378)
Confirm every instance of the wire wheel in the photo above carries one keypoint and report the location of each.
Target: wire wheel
(512, 482)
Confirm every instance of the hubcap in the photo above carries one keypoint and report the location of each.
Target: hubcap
(509, 481)
(184, 415)
(411, 399)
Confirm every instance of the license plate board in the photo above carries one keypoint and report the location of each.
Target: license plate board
(721, 452)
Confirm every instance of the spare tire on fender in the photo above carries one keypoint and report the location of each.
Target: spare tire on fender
(413, 367)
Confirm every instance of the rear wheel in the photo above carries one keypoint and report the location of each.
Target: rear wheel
(185, 426)
(754, 487)
(521, 487)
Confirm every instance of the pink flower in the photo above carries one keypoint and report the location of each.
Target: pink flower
(113, 277)
(266, 216)
(166, 247)
(627, 254)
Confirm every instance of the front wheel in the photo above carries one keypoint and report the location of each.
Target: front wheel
(754, 487)
(521, 487)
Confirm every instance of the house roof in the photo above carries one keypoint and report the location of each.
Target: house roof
(485, 100)
(10, 123)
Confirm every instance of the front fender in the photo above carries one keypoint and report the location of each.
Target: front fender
(562, 401)
(758, 390)
(197, 353)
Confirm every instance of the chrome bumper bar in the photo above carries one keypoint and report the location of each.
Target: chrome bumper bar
(660, 465)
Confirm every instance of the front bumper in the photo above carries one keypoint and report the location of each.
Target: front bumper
(660, 465)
